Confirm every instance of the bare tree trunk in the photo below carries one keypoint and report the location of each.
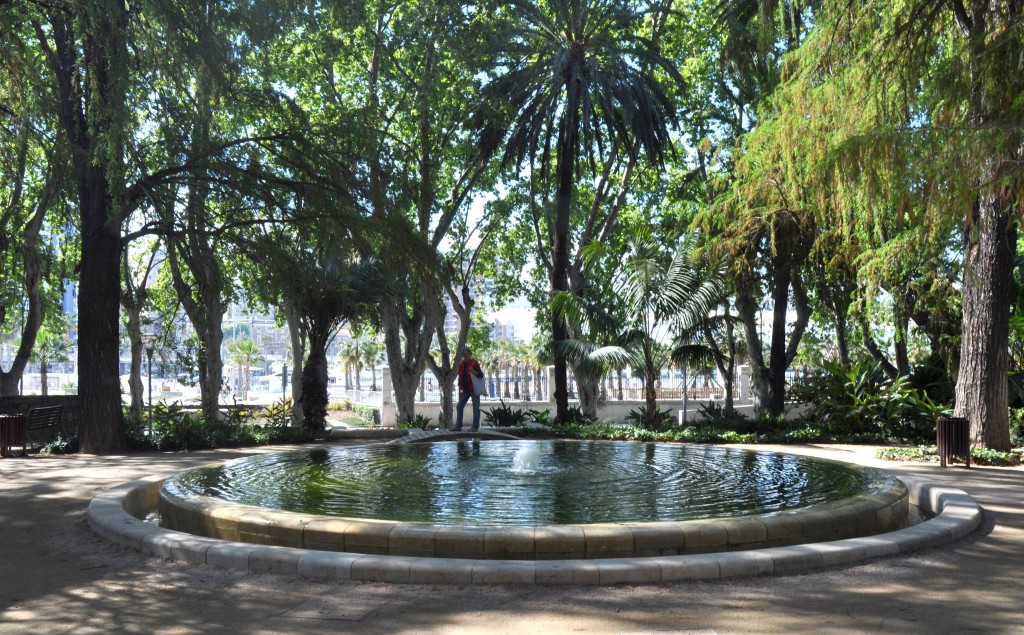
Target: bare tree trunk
(101, 422)
(768, 381)
(407, 339)
(588, 388)
(314, 391)
(135, 387)
(10, 381)
(205, 314)
(981, 387)
(298, 340)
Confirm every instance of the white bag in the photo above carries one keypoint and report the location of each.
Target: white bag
(479, 384)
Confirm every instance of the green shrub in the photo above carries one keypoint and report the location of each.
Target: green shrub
(654, 420)
(918, 453)
(369, 414)
(860, 399)
(1017, 427)
(576, 415)
(60, 445)
(279, 413)
(979, 456)
(542, 417)
(194, 433)
(713, 415)
(416, 422)
(505, 417)
(345, 405)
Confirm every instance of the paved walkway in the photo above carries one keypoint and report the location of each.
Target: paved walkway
(56, 576)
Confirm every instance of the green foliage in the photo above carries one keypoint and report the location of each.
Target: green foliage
(505, 417)
(713, 415)
(61, 445)
(174, 428)
(979, 456)
(860, 398)
(985, 456)
(543, 417)
(369, 414)
(899, 453)
(1017, 427)
(798, 433)
(655, 419)
(576, 415)
(279, 413)
(416, 422)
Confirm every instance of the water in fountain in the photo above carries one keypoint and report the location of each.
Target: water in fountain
(525, 483)
(525, 459)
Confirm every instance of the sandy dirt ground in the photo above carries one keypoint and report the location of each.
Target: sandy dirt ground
(56, 576)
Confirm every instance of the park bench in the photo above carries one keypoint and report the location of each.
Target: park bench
(44, 423)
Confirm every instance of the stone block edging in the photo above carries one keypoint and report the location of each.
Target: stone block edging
(112, 515)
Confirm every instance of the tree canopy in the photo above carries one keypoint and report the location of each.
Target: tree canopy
(853, 166)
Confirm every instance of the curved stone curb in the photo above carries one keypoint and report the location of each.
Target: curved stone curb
(112, 515)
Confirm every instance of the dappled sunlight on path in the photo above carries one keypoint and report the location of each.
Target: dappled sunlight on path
(60, 577)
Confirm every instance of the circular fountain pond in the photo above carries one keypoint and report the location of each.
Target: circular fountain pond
(532, 500)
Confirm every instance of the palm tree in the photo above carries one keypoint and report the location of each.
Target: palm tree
(540, 358)
(503, 358)
(577, 77)
(657, 291)
(51, 347)
(244, 354)
(373, 354)
(350, 356)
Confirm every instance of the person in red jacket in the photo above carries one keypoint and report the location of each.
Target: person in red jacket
(468, 369)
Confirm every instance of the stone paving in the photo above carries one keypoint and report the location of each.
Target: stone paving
(59, 576)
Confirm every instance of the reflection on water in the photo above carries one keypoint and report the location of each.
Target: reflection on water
(472, 483)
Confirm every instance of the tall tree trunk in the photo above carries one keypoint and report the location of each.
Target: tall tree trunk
(415, 329)
(298, 340)
(135, 387)
(10, 380)
(204, 305)
(768, 381)
(314, 390)
(981, 387)
(91, 77)
(568, 142)
(990, 237)
(101, 422)
(651, 376)
(92, 108)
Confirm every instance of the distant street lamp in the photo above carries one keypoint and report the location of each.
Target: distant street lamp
(149, 341)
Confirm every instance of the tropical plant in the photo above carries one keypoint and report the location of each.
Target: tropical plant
(505, 417)
(576, 75)
(861, 398)
(326, 284)
(656, 290)
(651, 419)
(543, 417)
(712, 416)
(279, 413)
(418, 422)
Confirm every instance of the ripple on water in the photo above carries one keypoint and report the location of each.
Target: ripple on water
(472, 483)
